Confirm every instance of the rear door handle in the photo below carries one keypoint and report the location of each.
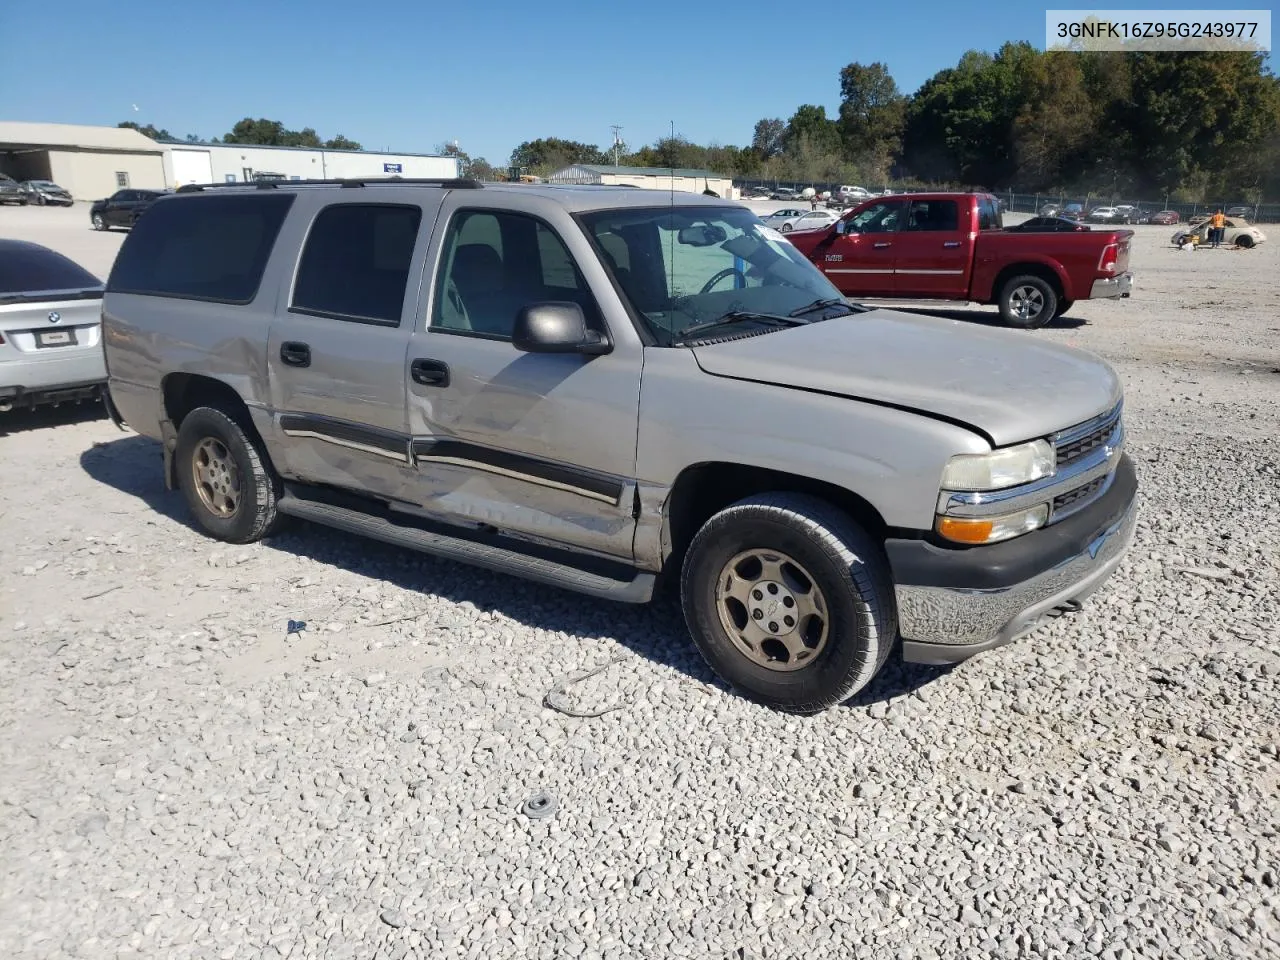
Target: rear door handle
(429, 373)
(295, 354)
(952, 243)
(880, 246)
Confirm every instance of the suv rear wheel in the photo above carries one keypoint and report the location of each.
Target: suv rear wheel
(789, 601)
(230, 486)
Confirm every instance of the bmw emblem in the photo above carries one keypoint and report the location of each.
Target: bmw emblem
(55, 316)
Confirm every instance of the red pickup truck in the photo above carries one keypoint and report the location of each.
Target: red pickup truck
(953, 246)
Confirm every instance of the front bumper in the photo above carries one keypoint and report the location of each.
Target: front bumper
(953, 603)
(1110, 288)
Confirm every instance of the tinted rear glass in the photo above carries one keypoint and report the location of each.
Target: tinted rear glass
(201, 247)
(355, 264)
(33, 269)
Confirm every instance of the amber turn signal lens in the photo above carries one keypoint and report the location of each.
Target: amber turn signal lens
(965, 531)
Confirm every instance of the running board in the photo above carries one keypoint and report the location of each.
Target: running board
(637, 590)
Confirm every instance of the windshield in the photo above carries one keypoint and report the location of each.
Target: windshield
(680, 267)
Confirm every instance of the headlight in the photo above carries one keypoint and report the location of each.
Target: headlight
(993, 529)
(998, 469)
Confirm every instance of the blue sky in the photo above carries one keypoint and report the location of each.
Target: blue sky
(409, 76)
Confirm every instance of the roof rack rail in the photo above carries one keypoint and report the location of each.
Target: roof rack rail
(453, 183)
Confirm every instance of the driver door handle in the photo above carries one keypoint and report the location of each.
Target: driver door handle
(952, 243)
(880, 246)
(429, 373)
(295, 354)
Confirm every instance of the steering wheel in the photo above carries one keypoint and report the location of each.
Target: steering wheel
(726, 272)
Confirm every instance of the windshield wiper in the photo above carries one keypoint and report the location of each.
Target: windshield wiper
(736, 316)
(820, 304)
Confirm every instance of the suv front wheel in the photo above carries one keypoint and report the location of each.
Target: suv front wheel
(230, 486)
(789, 601)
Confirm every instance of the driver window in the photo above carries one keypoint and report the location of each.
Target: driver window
(880, 218)
(495, 263)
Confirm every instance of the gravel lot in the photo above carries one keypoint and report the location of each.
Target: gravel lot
(180, 778)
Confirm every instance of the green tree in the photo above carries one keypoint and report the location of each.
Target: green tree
(769, 137)
(872, 113)
(148, 131)
(341, 143)
(551, 153)
(810, 129)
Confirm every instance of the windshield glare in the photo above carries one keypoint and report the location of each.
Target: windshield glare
(682, 266)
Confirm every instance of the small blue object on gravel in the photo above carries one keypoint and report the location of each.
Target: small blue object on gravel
(296, 626)
(539, 806)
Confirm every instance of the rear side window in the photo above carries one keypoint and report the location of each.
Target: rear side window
(988, 214)
(201, 247)
(28, 268)
(355, 264)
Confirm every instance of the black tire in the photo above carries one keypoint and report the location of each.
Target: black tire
(1244, 241)
(257, 486)
(786, 228)
(99, 222)
(1064, 306)
(844, 563)
(1033, 292)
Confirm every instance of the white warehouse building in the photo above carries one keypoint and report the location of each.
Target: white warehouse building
(186, 163)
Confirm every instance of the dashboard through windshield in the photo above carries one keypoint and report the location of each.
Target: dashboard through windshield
(684, 267)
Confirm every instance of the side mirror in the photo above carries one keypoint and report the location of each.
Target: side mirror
(556, 327)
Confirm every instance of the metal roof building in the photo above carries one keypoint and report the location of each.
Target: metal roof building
(95, 162)
(91, 162)
(649, 178)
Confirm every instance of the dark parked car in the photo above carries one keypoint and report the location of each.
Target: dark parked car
(11, 191)
(1243, 210)
(1166, 218)
(122, 208)
(1072, 211)
(1049, 225)
(46, 193)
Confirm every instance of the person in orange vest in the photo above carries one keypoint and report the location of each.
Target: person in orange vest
(1218, 223)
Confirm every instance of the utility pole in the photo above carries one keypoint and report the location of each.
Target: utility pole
(617, 141)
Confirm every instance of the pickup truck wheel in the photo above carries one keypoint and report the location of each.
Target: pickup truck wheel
(789, 601)
(1063, 307)
(1027, 302)
(227, 480)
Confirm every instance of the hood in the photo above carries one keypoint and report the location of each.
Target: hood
(1003, 383)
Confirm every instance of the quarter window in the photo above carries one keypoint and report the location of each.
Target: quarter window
(199, 247)
(495, 263)
(355, 264)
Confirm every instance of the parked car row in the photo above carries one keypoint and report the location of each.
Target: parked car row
(38, 192)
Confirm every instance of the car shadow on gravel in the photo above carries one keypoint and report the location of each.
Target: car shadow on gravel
(990, 318)
(655, 631)
(40, 418)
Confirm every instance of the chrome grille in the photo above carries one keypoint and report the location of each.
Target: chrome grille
(1078, 442)
(1065, 500)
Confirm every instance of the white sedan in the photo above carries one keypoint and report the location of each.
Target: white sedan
(804, 220)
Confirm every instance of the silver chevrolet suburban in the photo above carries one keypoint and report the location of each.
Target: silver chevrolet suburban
(592, 387)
